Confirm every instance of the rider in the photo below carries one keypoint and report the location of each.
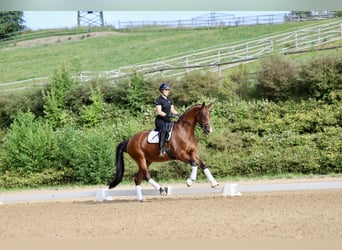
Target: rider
(164, 110)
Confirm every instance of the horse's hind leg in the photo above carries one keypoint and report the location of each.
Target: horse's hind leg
(138, 178)
(163, 191)
(143, 173)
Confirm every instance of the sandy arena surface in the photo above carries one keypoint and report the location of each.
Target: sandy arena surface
(314, 214)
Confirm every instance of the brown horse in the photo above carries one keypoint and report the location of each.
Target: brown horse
(182, 147)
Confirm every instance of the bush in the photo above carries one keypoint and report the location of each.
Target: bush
(197, 85)
(28, 145)
(54, 96)
(13, 103)
(276, 78)
(138, 94)
(94, 158)
(241, 79)
(92, 115)
(322, 77)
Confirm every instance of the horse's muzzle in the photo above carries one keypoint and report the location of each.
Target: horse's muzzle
(207, 130)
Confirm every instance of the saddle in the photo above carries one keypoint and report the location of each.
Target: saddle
(153, 136)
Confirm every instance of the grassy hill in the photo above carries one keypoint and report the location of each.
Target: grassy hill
(107, 50)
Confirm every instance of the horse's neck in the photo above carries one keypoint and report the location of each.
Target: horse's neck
(189, 123)
(188, 127)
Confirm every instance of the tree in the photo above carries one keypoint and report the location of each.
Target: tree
(338, 14)
(10, 23)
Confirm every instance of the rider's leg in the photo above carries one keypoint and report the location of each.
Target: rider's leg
(162, 135)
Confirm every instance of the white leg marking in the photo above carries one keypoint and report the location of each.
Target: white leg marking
(154, 184)
(211, 179)
(138, 192)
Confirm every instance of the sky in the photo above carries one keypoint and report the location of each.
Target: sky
(36, 20)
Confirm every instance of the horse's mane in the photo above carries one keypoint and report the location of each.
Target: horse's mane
(196, 106)
(191, 108)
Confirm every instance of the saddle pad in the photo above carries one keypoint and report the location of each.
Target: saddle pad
(153, 137)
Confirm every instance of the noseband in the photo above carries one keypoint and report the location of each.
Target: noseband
(205, 124)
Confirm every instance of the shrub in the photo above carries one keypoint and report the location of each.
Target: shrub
(276, 78)
(323, 78)
(241, 78)
(92, 115)
(28, 145)
(138, 94)
(94, 158)
(54, 96)
(12, 103)
(196, 85)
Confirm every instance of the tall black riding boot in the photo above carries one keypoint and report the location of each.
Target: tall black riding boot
(162, 135)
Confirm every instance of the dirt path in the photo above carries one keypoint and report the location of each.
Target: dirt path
(273, 215)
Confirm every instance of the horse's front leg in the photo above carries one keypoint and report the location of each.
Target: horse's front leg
(195, 161)
(193, 175)
(209, 176)
(205, 170)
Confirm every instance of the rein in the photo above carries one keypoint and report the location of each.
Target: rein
(203, 124)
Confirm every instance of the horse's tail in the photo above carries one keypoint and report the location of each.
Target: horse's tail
(119, 163)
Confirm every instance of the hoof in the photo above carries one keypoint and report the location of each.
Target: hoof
(163, 191)
(189, 182)
(215, 185)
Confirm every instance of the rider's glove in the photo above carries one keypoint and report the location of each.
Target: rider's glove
(171, 115)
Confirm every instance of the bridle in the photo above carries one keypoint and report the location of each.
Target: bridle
(205, 123)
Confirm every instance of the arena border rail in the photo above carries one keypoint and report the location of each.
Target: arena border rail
(228, 189)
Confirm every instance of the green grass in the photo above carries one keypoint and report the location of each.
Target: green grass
(122, 49)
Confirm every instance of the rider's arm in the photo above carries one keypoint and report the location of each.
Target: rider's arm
(173, 111)
(159, 111)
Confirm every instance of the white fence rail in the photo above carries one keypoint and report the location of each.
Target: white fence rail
(228, 189)
(212, 19)
(218, 58)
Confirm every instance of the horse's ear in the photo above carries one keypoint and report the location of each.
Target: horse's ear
(203, 105)
(209, 105)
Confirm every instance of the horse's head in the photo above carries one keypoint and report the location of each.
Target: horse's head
(204, 118)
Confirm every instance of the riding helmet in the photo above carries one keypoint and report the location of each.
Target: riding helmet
(164, 85)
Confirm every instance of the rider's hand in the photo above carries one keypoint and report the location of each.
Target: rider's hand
(171, 115)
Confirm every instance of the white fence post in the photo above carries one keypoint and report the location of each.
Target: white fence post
(187, 64)
(219, 63)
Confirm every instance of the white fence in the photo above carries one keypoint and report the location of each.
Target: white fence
(213, 19)
(101, 195)
(225, 56)
(218, 58)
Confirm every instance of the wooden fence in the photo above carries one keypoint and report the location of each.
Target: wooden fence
(219, 19)
(218, 58)
(225, 56)
(212, 19)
